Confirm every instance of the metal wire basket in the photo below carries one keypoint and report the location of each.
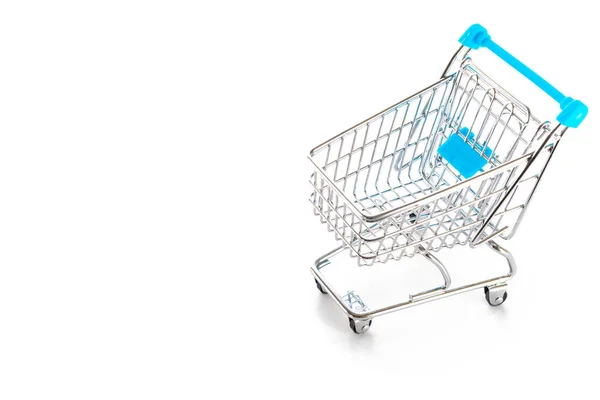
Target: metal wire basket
(454, 164)
(384, 190)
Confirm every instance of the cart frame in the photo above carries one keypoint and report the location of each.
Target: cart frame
(404, 228)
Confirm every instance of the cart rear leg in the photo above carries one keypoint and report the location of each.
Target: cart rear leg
(496, 295)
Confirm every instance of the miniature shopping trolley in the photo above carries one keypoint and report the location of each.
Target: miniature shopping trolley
(454, 164)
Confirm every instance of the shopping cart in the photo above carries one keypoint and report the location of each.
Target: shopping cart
(454, 164)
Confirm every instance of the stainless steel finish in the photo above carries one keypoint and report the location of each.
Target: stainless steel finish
(512, 265)
(559, 131)
(460, 54)
(413, 300)
(447, 281)
(384, 191)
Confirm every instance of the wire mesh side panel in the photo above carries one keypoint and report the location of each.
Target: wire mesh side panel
(513, 209)
(443, 220)
(364, 162)
(500, 129)
(494, 124)
(446, 220)
(340, 217)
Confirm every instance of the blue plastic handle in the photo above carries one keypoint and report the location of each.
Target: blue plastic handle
(573, 111)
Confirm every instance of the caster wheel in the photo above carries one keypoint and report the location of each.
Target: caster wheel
(360, 326)
(320, 287)
(495, 296)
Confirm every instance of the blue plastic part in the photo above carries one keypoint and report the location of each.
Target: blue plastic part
(462, 156)
(573, 111)
(474, 37)
(471, 139)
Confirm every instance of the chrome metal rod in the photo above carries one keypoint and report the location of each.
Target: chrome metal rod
(433, 294)
(474, 241)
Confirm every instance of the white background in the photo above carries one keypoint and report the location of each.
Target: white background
(155, 233)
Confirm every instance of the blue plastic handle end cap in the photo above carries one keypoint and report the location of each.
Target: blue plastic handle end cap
(573, 112)
(474, 37)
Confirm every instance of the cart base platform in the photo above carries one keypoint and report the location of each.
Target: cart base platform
(360, 316)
